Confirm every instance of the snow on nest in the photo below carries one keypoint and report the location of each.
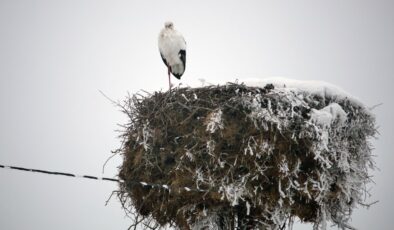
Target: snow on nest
(323, 117)
(327, 115)
(319, 88)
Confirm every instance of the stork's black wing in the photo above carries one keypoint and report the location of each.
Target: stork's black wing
(182, 56)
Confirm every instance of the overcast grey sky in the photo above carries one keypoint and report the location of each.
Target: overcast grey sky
(56, 55)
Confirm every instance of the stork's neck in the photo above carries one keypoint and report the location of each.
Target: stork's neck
(167, 32)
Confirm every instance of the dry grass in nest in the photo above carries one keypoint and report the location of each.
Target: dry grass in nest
(250, 154)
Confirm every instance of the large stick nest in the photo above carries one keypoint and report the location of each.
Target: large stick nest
(262, 155)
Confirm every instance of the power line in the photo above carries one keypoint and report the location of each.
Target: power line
(132, 183)
(59, 173)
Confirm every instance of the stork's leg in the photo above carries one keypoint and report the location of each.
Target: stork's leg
(169, 78)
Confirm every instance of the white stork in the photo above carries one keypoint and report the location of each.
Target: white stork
(172, 47)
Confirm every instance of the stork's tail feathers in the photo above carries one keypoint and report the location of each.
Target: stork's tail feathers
(177, 76)
(177, 70)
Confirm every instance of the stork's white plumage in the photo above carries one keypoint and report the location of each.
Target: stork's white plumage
(172, 47)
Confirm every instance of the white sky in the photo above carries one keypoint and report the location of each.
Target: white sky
(56, 55)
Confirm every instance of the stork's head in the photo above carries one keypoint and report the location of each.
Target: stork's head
(169, 25)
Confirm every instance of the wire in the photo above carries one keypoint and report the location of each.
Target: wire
(132, 183)
(59, 173)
